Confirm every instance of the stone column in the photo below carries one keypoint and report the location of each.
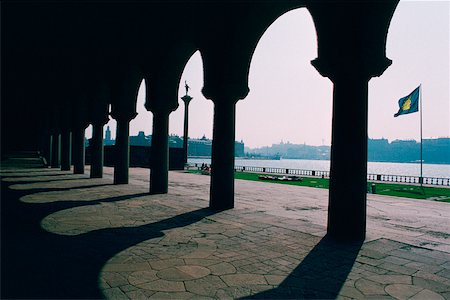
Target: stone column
(122, 151)
(55, 150)
(66, 150)
(97, 151)
(351, 49)
(159, 174)
(186, 99)
(161, 100)
(222, 157)
(78, 150)
(348, 177)
(47, 148)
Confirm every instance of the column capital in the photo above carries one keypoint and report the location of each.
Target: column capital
(79, 124)
(186, 99)
(120, 115)
(351, 38)
(225, 92)
(337, 70)
(225, 70)
(99, 110)
(100, 120)
(162, 94)
(161, 107)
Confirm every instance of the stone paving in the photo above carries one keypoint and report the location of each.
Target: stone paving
(131, 245)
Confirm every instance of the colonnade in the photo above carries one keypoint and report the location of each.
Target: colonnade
(351, 50)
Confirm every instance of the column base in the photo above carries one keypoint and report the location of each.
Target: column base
(77, 171)
(120, 181)
(157, 192)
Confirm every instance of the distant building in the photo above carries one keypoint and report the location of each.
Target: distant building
(140, 140)
(107, 134)
(239, 149)
(108, 141)
(175, 141)
(435, 151)
(203, 147)
(199, 147)
(196, 147)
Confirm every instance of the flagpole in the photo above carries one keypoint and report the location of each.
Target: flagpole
(421, 140)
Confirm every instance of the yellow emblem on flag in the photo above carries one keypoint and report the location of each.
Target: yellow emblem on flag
(407, 104)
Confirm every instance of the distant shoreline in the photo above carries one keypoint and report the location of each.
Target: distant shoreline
(380, 161)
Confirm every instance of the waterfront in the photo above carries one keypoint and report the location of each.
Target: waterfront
(382, 168)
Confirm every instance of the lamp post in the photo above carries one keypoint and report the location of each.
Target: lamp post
(186, 99)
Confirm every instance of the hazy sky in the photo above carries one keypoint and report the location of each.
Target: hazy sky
(290, 101)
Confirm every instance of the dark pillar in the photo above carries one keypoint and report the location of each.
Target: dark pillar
(78, 150)
(55, 150)
(222, 159)
(97, 151)
(186, 99)
(122, 151)
(47, 148)
(159, 175)
(351, 43)
(66, 150)
(348, 177)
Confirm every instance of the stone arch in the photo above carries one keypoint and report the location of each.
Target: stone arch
(412, 66)
(198, 104)
(290, 94)
(143, 118)
(162, 77)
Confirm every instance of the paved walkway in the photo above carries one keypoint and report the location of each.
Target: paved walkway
(68, 236)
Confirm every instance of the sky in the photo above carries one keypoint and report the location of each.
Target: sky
(290, 101)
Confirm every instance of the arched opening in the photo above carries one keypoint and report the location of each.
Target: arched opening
(200, 109)
(289, 104)
(88, 132)
(141, 125)
(142, 122)
(419, 46)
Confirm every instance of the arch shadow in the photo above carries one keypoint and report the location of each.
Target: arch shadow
(34, 174)
(39, 179)
(320, 275)
(40, 264)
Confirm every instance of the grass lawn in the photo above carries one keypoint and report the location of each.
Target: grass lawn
(388, 189)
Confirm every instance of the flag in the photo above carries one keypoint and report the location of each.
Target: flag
(409, 104)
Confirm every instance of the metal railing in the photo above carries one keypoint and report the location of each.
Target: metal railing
(326, 174)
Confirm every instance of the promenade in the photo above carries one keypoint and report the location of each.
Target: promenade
(68, 236)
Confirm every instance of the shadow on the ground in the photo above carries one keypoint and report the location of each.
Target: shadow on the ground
(41, 174)
(29, 187)
(39, 264)
(28, 180)
(320, 275)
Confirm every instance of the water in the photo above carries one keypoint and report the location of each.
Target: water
(382, 168)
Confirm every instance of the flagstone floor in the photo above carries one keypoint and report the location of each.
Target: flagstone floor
(68, 236)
